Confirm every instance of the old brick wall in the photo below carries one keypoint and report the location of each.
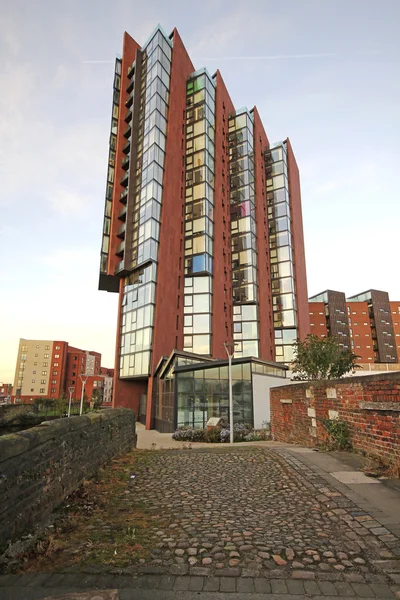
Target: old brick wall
(40, 466)
(369, 404)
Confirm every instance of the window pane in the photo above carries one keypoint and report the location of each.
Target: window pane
(201, 284)
(201, 303)
(201, 344)
(201, 323)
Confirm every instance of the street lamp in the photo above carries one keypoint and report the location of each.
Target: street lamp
(230, 348)
(83, 379)
(70, 389)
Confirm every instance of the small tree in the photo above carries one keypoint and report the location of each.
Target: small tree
(97, 398)
(322, 358)
(61, 404)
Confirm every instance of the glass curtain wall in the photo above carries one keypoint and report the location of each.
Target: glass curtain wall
(203, 393)
(139, 291)
(199, 202)
(281, 252)
(111, 168)
(243, 230)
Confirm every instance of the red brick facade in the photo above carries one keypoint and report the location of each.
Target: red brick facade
(369, 404)
(363, 338)
(222, 285)
(168, 320)
(298, 244)
(395, 310)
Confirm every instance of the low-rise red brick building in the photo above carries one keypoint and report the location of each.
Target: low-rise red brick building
(51, 368)
(5, 391)
(368, 323)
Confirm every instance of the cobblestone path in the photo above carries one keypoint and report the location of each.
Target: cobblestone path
(244, 512)
(256, 511)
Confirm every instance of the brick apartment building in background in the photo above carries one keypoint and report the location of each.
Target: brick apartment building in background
(368, 323)
(203, 234)
(48, 368)
(5, 392)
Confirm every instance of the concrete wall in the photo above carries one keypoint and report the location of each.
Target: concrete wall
(369, 404)
(40, 466)
(262, 385)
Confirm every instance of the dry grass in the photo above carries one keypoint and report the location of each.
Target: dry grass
(101, 523)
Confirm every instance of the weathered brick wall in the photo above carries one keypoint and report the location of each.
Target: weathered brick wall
(40, 466)
(369, 404)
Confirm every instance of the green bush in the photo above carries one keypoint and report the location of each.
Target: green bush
(339, 434)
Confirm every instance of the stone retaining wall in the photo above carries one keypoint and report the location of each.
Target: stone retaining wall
(369, 404)
(40, 466)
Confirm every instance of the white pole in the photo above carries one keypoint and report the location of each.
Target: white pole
(83, 391)
(70, 400)
(230, 399)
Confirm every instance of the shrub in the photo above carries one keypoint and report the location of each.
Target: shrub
(242, 432)
(212, 435)
(188, 434)
(259, 435)
(224, 435)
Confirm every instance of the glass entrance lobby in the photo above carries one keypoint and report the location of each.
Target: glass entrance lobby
(188, 390)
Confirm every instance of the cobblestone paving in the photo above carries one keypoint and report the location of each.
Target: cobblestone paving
(257, 512)
(249, 513)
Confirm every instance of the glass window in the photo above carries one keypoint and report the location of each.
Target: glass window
(285, 269)
(250, 348)
(201, 303)
(211, 373)
(288, 318)
(201, 284)
(278, 181)
(277, 154)
(199, 263)
(201, 344)
(199, 244)
(188, 321)
(236, 371)
(278, 168)
(201, 323)
(249, 313)
(246, 375)
(249, 329)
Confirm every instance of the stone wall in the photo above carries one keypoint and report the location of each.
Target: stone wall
(40, 466)
(369, 404)
(14, 412)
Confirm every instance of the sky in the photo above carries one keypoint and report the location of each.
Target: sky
(325, 73)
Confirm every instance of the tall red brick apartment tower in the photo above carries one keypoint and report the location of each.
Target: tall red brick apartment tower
(203, 234)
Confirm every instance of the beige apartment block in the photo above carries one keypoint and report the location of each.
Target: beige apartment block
(33, 371)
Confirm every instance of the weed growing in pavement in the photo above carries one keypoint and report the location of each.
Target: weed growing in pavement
(339, 434)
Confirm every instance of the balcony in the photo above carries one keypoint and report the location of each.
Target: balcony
(121, 231)
(129, 102)
(125, 163)
(120, 249)
(124, 180)
(127, 147)
(122, 214)
(124, 196)
(128, 117)
(121, 270)
(129, 89)
(127, 132)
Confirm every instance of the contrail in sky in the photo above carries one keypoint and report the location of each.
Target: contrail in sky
(268, 57)
(289, 56)
(97, 62)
